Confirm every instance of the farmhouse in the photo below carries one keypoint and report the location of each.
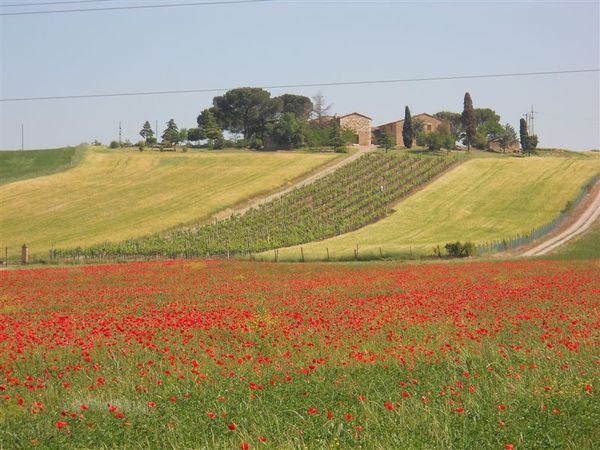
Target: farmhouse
(394, 129)
(360, 125)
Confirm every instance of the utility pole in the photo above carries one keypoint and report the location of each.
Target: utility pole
(531, 113)
(119, 133)
(157, 131)
(22, 137)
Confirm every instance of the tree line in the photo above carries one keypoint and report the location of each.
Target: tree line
(474, 127)
(252, 118)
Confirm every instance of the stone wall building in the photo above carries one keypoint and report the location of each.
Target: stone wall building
(394, 129)
(360, 125)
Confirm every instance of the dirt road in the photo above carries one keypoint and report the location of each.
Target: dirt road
(585, 220)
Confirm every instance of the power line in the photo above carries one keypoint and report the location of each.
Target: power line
(19, 5)
(119, 8)
(303, 85)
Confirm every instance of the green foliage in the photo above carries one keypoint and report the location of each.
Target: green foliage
(523, 134)
(171, 135)
(337, 140)
(19, 165)
(438, 139)
(194, 135)
(209, 129)
(352, 197)
(299, 105)
(469, 121)
(486, 115)
(491, 130)
(288, 131)
(532, 142)
(245, 110)
(385, 140)
(408, 133)
(507, 137)
(460, 250)
(454, 121)
(114, 144)
(146, 131)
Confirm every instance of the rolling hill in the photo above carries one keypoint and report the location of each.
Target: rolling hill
(114, 195)
(482, 199)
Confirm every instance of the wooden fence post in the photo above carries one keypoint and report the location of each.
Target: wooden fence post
(302, 254)
(327, 248)
(24, 254)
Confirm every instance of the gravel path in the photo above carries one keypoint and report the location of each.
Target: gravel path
(585, 220)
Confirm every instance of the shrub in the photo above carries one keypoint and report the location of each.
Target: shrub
(114, 144)
(459, 250)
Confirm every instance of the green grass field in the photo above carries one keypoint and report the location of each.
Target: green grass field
(19, 165)
(582, 247)
(118, 195)
(483, 199)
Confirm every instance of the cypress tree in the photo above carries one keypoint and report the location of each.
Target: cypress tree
(408, 133)
(523, 135)
(468, 120)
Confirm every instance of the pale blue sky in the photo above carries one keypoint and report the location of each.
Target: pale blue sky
(290, 42)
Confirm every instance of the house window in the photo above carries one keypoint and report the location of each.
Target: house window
(429, 127)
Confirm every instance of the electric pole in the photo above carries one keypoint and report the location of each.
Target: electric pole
(22, 137)
(531, 113)
(119, 133)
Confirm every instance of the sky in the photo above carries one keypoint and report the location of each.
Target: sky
(297, 42)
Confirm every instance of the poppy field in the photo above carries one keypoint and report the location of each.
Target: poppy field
(218, 354)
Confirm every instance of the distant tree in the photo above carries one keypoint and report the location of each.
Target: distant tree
(194, 135)
(183, 135)
(468, 120)
(337, 140)
(171, 134)
(288, 131)
(454, 121)
(151, 140)
(114, 144)
(439, 139)
(146, 131)
(320, 109)
(299, 105)
(484, 115)
(532, 142)
(418, 126)
(523, 135)
(408, 133)
(384, 140)
(245, 110)
(209, 129)
(507, 138)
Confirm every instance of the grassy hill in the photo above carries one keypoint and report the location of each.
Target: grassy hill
(482, 199)
(19, 165)
(355, 195)
(585, 246)
(114, 195)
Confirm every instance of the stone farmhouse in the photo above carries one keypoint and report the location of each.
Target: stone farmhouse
(394, 129)
(360, 125)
